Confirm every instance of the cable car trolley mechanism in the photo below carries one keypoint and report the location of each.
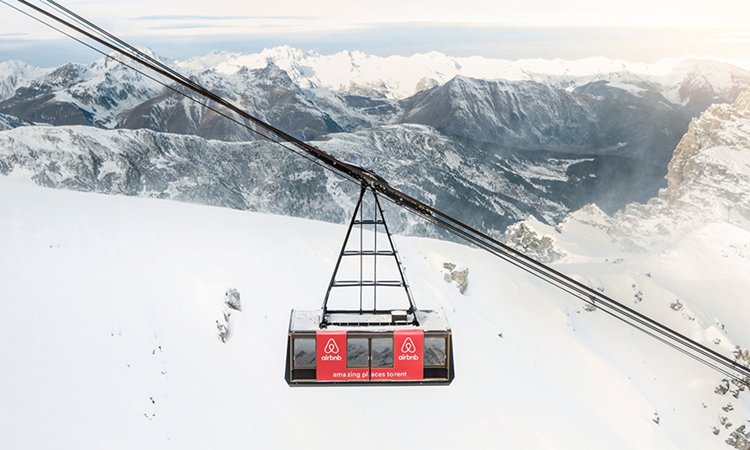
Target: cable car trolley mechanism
(383, 340)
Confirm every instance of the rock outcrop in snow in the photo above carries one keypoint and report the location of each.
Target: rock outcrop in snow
(225, 323)
(525, 238)
(458, 275)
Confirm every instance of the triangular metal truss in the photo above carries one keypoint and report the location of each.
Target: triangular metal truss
(368, 254)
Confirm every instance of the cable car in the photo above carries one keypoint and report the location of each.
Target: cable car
(384, 339)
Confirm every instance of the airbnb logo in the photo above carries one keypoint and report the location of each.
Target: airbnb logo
(408, 350)
(408, 346)
(331, 347)
(331, 351)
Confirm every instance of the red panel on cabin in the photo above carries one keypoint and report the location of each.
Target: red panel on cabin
(408, 358)
(330, 348)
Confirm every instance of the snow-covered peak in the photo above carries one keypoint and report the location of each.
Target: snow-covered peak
(118, 62)
(590, 215)
(284, 56)
(103, 88)
(717, 73)
(402, 76)
(704, 81)
(396, 77)
(148, 51)
(15, 74)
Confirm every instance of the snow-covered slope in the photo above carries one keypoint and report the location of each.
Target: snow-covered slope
(108, 337)
(693, 239)
(524, 113)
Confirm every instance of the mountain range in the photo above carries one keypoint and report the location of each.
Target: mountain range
(492, 140)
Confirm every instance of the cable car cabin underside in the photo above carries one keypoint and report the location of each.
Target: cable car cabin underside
(369, 348)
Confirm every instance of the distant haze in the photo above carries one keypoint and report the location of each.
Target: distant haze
(638, 31)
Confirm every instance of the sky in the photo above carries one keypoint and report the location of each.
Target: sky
(636, 30)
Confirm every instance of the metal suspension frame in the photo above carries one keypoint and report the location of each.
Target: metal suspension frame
(374, 253)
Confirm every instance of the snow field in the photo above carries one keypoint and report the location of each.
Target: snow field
(108, 340)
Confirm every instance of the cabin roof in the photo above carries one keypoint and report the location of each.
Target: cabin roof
(429, 320)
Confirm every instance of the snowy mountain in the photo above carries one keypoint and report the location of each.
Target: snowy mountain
(267, 93)
(515, 114)
(613, 131)
(696, 84)
(78, 94)
(605, 129)
(707, 183)
(708, 178)
(312, 94)
(253, 175)
(108, 94)
(596, 117)
(488, 187)
(15, 75)
(400, 77)
(108, 322)
(490, 192)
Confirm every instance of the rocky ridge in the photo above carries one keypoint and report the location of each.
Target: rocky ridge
(707, 182)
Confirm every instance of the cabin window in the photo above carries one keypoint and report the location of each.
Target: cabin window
(357, 352)
(304, 352)
(435, 351)
(382, 352)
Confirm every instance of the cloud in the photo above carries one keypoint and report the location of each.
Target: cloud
(209, 24)
(176, 17)
(182, 26)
